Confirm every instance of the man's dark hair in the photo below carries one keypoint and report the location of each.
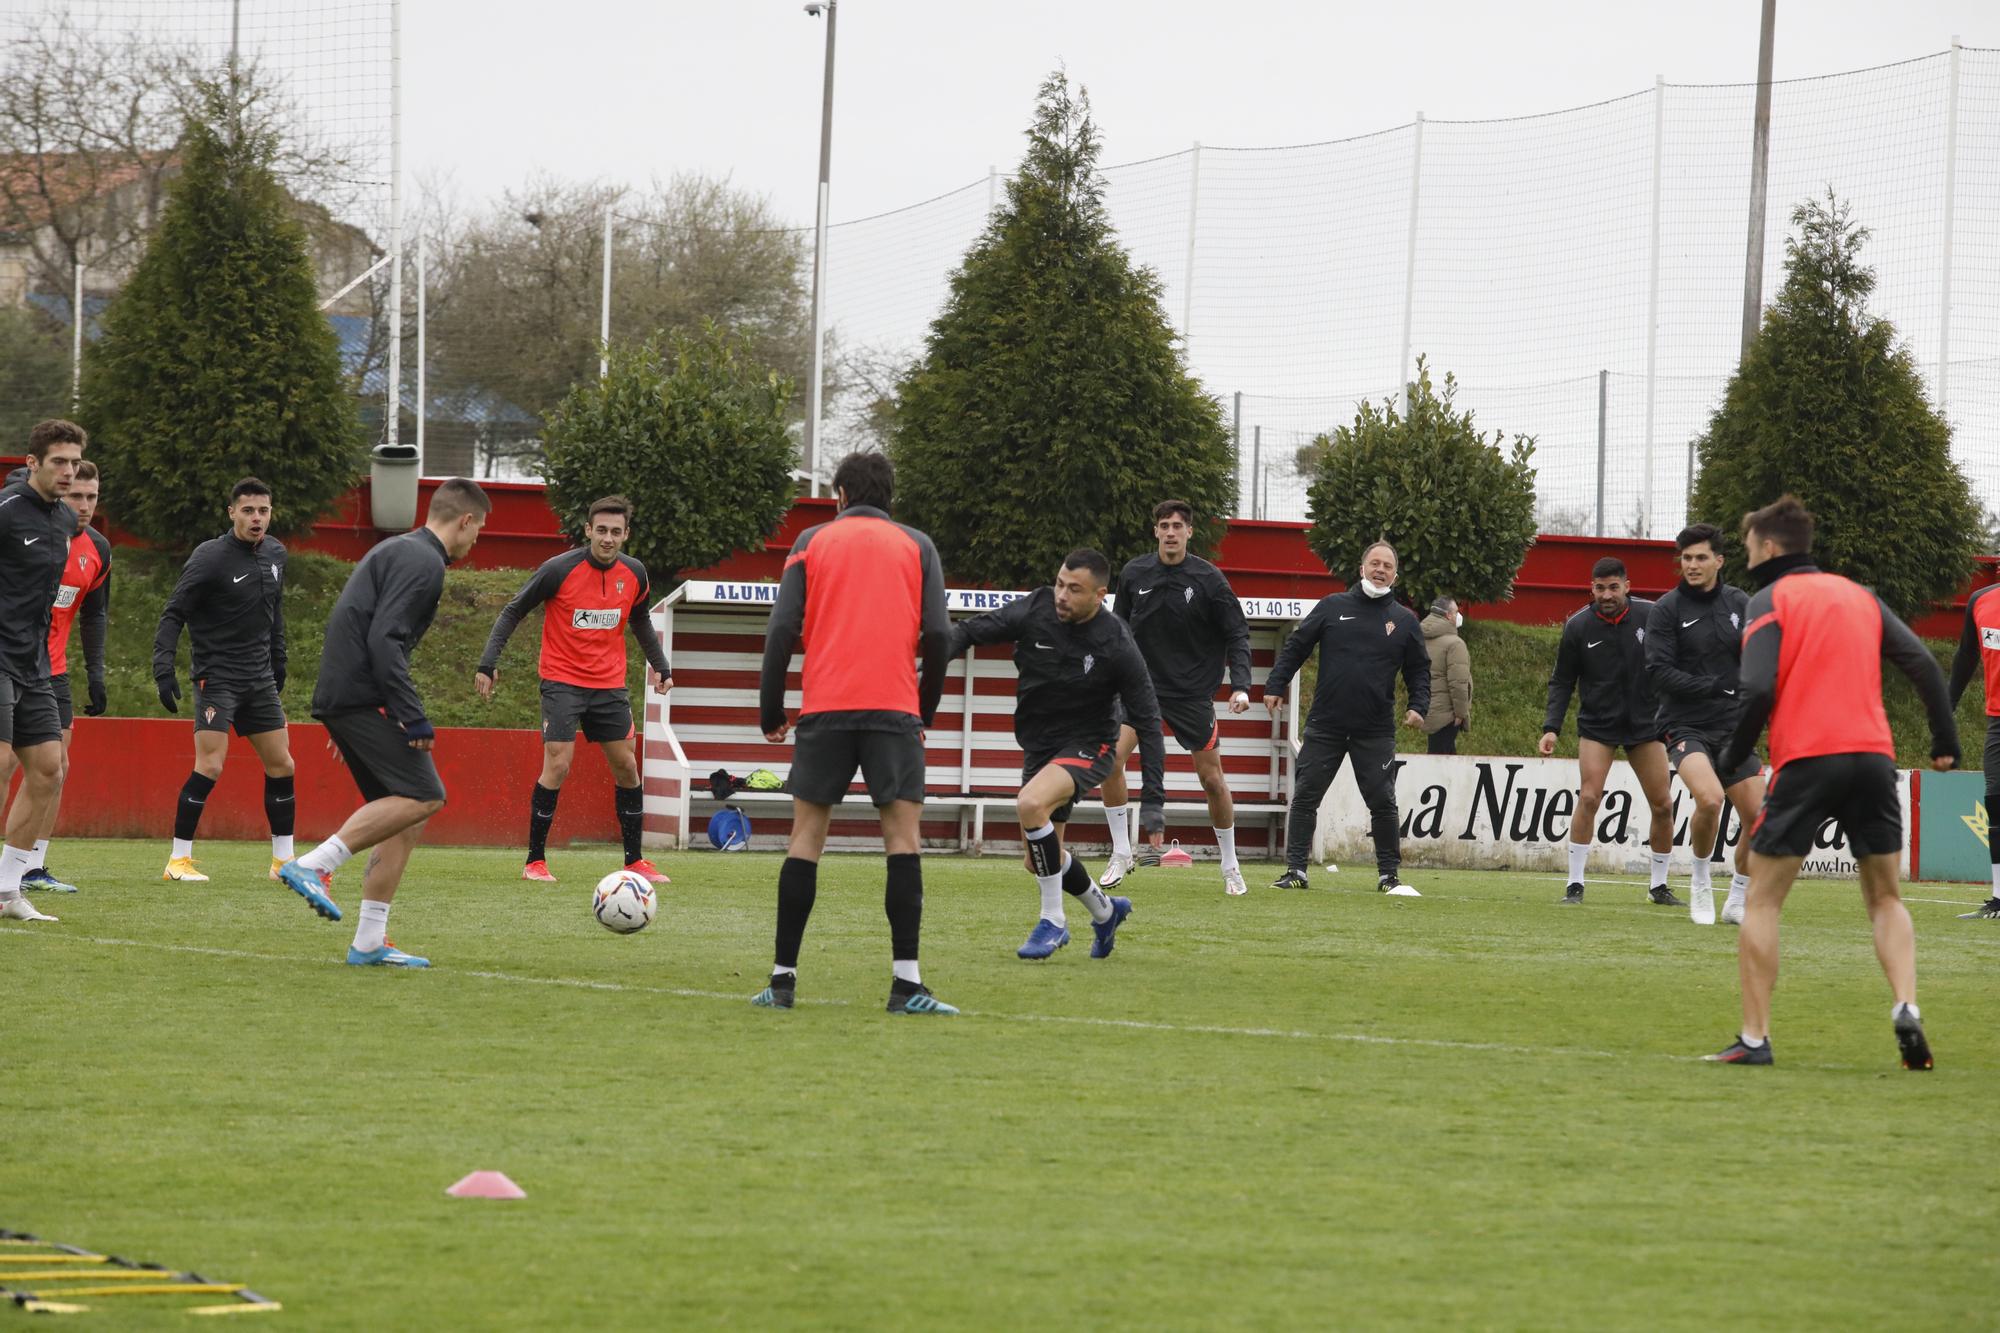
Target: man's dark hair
(457, 497)
(247, 486)
(86, 471)
(1610, 567)
(868, 478)
(1085, 558)
(54, 431)
(610, 504)
(1784, 521)
(1696, 533)
(1181, 507)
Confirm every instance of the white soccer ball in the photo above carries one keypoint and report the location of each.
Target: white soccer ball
(623, 902)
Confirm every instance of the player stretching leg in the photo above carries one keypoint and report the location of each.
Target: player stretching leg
(591, 594)
(1694, 638)
(231, 597)
(1603, 651)
(864, 596)
(1979, 647)
(1189, 626)
(36, 529)
(1812, 665)
(375, 718)
(1365, 639)
(86, 587)
(1074, 666)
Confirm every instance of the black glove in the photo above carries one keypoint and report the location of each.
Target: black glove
(419, 730)
(170, 693)
(97, 704)
(278, 678)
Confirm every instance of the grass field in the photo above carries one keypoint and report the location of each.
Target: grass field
(1318, 1109)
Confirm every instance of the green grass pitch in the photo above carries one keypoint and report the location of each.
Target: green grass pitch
(1322, 1109)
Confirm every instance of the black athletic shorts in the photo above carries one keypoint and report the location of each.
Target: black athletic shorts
(381, 759)
(1625, 743)
(65, 705)
(1192, 722)
(251, 709)
(604, 715)
(824, 760)
(1992, 765)
(1859, 790)
(1087, 765)
(1684, 741)
(29, 714)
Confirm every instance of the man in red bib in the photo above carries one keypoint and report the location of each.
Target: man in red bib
(1979, 655)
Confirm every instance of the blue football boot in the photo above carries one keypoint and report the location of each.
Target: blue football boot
(1043, 940)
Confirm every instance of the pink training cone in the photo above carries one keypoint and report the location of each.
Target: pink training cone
(1176, 855)
(487, 1185)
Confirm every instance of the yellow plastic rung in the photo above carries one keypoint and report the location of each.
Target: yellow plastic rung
(53, 1259)
(157, 1289)
(53, 1307)
(240, 1307)
(87, 1275)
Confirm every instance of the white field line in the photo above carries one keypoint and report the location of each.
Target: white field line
(1075, 1020)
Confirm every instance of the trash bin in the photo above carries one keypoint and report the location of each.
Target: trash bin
(392, 487)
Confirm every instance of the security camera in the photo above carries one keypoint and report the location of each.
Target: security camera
(815, 10)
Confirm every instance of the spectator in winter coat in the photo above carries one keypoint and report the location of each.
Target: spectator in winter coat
(1451, 676)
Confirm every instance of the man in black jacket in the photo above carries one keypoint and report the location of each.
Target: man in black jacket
(375, 717)
(231, 597)
(1365, 639)
(1603, 650)
(1190, 629)
(1074, 664)
(1694, 639)
(36, 529)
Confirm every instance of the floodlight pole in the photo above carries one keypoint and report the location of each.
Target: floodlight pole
(816, 394)
(395, 376)
(1760, 161)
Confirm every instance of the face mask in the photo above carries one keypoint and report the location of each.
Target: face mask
(1374, 589)
(1458, 620)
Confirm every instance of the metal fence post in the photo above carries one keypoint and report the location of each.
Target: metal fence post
(76, 334)
(1256, 471)
(1653, 309)
(1950, 200)
(1410, 262)
(1187, 293)
(423, 266)
(604, 304)
(1603, 401)
(1236, 449)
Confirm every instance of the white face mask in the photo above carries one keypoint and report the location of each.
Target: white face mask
(1374, 589)
(1458, 620)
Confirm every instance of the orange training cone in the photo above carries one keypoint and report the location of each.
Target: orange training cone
(487, 1185)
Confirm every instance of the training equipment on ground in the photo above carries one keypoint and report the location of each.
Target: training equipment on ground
(1395, 888)
(623, 902)
(729, 830)
(1176, 855)
(44, 1277)
(487, 1185)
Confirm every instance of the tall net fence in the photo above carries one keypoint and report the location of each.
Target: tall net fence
(93, 95)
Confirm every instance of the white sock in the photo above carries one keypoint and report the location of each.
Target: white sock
(906, 970)
(374, 924)
(281, 847)
(1099, 903)
(1753, 1042)
(1225, 842)
(1052, 895)
(1121, 829)
(41, 853)
(1996, 878)
(14, 862)
(1579, 855)
(1659, 870)
(1896, 1011)
(183, 847)
(1701, 877)
(1739, 887)
(780, 970)
(329, 856)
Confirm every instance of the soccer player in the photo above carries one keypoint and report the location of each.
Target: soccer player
(231, 597)
(1694, 638)
(1979, 647)
(864, 596)
(375, 718)
(1189, 628)
(1812, 666)
(1074, 665)
(591, 593)
(36, 529)
(86, 588)
(1602, 658)
(1365, 639)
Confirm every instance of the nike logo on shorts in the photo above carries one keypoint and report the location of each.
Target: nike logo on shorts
(1593, 643)
(29, 541)
(239, 578)
(1695, 621)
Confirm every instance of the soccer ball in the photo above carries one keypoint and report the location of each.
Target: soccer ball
(623, 902)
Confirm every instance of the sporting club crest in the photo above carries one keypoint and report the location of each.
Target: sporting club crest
(208, 713)
(1735, 620)
(1187, 594)
(1089, 661)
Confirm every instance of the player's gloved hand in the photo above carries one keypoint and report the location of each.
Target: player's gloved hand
(1152, 819)
(278, 678)
(170, 693)
(419, 730)
(97, 704)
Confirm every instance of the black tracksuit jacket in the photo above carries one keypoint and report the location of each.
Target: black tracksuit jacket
(34, 550)
(231, 597)
(1363, 642)
(1606, 661)
(383, 612)
(1188, 625)
(1694, 643)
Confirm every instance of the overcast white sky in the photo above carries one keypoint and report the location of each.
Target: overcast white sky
(930, 93)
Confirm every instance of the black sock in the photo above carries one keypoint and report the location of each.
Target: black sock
(1045, 854)
(903, 900)
(541, 814)
(279, 807)
(1076, 880)
(187, 812)
(798, 885)
(1388, 850)
(630, 802)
